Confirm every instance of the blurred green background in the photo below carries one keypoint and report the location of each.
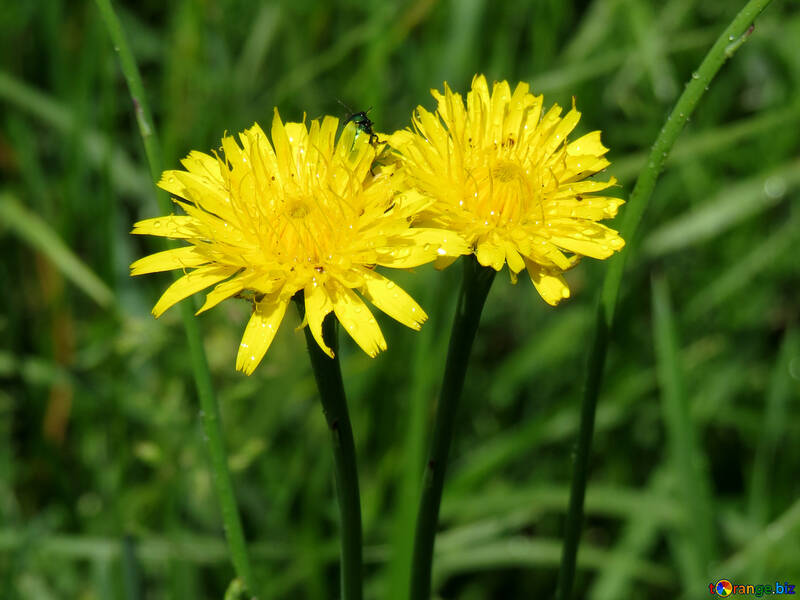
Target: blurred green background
(104, 487)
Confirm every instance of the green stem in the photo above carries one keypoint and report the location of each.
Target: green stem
(728, 42)
(334, 404)
(474, 289)
(209, 410)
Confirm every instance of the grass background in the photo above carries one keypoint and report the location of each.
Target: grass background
(104, 487)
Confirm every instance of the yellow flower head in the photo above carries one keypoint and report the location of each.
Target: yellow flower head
(303, 213)
(504, 177)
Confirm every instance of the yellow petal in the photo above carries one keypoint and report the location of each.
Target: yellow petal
(550, 284)
(357, 319)
(224, 290)
(201, 163)
(415, 247)
(187, 257)
(171, 226)
(443, 262)
(595, 240)
(583, 187)
(318, 305)
(200, 190)
(190, 283)
(588, 144)
(392, 300)
(490, 255)
(513, 258)
(594, 208)
(259, 333)
(283, 150)
(562, 130)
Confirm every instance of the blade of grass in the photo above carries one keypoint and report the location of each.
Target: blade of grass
(733, 205)
(209, 413)
(34, 231)
(615, 579)
(131, 572)
(529, 553)
(570, 75)
(126, 176)
(712, 141)
(771, 432)
(772, 536)
(695, 541)
(726, 44)
(476, 282)
(603, 501)
(428, 344)
(742, 272)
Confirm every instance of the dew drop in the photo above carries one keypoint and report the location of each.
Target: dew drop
(695, 75)
(775, 187)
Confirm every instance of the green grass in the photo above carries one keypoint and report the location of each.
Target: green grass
(104, 484)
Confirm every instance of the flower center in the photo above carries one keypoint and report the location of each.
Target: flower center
(298, 208)
(504, 193)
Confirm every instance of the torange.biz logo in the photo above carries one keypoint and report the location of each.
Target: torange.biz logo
(724, 587)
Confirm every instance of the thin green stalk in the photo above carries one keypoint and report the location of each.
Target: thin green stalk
(209, 410)
(474, 289)
(726, 45)
(334, 404)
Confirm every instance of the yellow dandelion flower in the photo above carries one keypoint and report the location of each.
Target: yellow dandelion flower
(504, 176)
(302, 213)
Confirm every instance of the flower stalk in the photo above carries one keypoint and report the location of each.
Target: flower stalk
(477, 281)
(727, 43)
(209, 410)
(328, 376)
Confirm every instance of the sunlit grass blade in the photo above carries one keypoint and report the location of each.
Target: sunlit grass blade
(131, 573)
(738, 275)
(739, 29)
(712, 141)
(523, 552)
(694, 539)
(777, 538)
(490, 456)
(125, 176)
(34, 231)
(428, 344)
(730, 207)
(209, 414)
(475, 285)
(615, 579)
(771, 433)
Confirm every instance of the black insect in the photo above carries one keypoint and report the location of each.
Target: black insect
(362, 121)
